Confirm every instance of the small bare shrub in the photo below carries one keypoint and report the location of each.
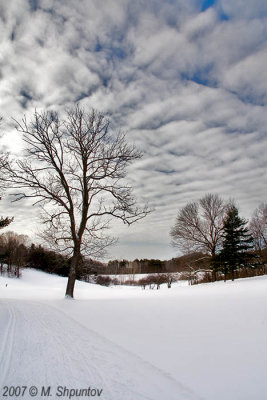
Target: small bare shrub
(103, 280)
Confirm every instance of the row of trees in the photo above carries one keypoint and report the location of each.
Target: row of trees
(152, 280)
(214, 227)
(15, 254)
(142, 266)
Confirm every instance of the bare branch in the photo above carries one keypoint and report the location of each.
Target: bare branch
(199, 226)
(76, 171)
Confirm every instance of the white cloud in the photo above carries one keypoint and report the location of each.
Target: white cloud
(248, 78)
(188, 86)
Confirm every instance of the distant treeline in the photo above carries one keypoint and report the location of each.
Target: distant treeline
(196, 267)
(16, 254)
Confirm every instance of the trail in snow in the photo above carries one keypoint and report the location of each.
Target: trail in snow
(41, 346)
(135, 344)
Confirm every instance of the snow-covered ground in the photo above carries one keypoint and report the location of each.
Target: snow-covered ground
(191, 342)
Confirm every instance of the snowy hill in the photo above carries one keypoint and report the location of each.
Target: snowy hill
(200, 342)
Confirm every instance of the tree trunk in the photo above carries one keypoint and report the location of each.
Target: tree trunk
(72, 274)
(233, 274)
(214, 275)
(214, 266)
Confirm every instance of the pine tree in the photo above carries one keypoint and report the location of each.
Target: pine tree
(5, 221)
(236, 243)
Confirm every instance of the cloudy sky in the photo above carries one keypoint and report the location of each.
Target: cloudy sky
(187, 80)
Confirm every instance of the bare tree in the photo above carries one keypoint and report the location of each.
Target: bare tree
(170, 278)
(75, 170)
(258, 227)
(199, 225)
(13, 252)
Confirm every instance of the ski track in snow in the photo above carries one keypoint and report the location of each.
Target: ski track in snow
(7, 344)
(40, 346)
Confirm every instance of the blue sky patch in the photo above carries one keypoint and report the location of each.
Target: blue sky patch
(207, 4)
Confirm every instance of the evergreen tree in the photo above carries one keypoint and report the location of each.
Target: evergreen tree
(236, 243)
(48, 261)
(5, 221)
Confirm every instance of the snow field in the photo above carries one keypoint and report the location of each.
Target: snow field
(196, 342)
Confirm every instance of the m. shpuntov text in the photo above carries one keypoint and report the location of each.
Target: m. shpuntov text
(63, 391)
